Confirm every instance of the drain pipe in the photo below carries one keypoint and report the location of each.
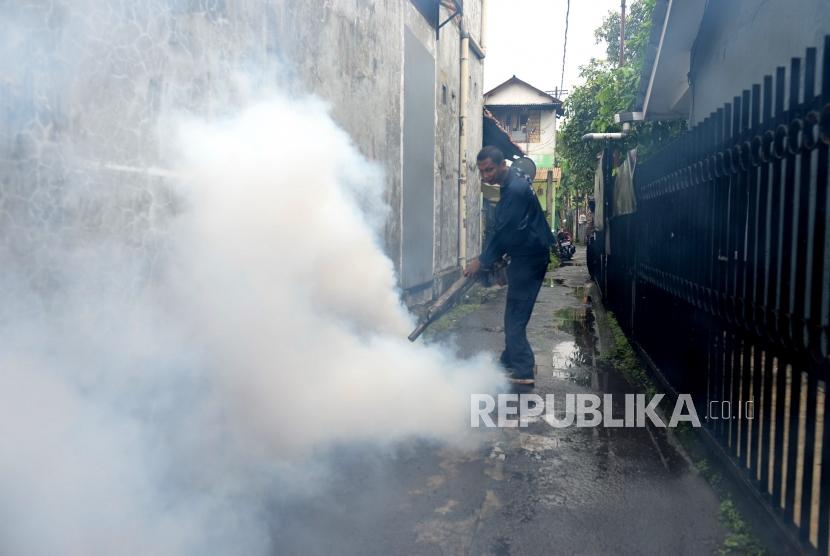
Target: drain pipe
(626, 128)
(483, 37)
(462, 147)
(625, 118)
(467, 44)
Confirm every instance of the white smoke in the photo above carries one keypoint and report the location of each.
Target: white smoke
(153, 399)
(278, 271)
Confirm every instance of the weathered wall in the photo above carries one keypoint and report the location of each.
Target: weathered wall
(447, 51)
(96, 74)
(740, 42)
(475, 109)
(547, 140)
(447, 163)
(351, 54)
(448, 60)
(84, 83)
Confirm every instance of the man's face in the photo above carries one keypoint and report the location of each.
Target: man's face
(490, 172)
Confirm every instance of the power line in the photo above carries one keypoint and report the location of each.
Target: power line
(565, 47)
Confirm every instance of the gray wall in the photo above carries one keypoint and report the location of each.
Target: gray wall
(448, 60)
(417, 219)
(740, 41)
(64, 86)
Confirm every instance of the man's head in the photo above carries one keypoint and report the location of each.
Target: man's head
(491, 165)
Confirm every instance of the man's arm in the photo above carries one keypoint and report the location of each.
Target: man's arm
(510, 214)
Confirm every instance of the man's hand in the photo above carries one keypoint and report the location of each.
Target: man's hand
(472, 268)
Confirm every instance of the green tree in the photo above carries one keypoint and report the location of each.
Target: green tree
(608, 90)
(637, 29)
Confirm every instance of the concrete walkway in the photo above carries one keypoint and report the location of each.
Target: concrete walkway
(533, 490)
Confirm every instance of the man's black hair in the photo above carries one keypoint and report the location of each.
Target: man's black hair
(492, 153)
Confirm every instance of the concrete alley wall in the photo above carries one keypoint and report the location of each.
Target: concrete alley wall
(97, 74)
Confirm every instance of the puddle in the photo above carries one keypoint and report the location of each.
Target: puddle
(565, 355)
(580, 376)
(563, 318)
(535, 443)
(573, 359)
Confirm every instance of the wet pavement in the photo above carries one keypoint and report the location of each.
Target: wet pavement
(530, 490)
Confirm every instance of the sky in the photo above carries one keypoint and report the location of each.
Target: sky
(525, 38)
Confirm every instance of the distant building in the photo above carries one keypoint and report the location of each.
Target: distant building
(529, 115)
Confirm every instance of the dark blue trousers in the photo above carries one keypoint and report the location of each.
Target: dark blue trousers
(524, 279)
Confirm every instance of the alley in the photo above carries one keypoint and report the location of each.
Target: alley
(530, 490)
(242, 306)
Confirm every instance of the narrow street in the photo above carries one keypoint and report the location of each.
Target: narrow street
(531, 490)
(234, 316)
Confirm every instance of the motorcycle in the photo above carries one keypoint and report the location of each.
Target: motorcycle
(565, 248)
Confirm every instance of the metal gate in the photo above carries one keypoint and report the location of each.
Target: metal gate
(722, 276)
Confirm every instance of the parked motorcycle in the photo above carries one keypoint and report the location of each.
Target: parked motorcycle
(565, 248)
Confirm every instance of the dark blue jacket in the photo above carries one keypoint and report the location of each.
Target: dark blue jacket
(520, 228)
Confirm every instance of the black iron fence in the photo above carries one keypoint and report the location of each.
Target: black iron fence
(722, 276)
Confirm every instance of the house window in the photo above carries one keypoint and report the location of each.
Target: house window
(534, 126)
(518, 126)
(523, 124)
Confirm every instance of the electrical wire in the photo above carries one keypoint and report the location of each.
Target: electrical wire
(565, 46)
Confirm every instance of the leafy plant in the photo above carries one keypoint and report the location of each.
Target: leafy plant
(609, 90)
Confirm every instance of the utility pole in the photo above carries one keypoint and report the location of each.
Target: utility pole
(622, 33)
(550, 173)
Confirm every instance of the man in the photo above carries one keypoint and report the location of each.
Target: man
(589, 234)
(521, 232)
